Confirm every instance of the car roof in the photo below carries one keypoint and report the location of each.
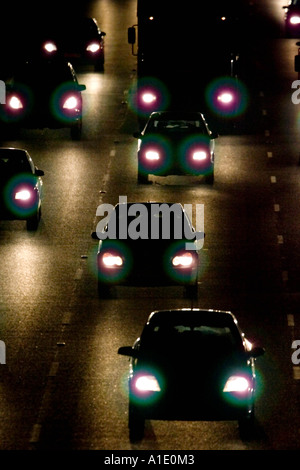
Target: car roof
(12, 152)
(177, 114)
(193, 315)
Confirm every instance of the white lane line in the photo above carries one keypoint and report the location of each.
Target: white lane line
(290, 320)
(296, 372)
(78, 274)
(35, 434)
(269, 154)
(273, 179)
(280, 239)
(276, 208)
(53, 369)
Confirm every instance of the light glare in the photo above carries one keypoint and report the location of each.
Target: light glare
(23, 195)
(147, 383)
(15, 103)
(236, 383)
(295, 20)
(93, 47)
(110, 260)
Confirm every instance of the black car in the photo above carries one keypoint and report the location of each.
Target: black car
(191, 364)
(292, 19)
(78, 39)
(176, 143)
(43, 94)
(147, 244)
(21, 187)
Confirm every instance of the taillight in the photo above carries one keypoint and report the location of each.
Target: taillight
(93, 47)
(71, 102)
(111, 260)
(183, 260)
(14, 102)
(50, 47)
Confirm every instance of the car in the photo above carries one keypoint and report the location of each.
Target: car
(176, 143)
(42, 94)
(292, 19)
(21, 187)
(78, 39)
(191, 364)
(147, 244)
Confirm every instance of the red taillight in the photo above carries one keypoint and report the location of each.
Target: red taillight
(183, 260)
(15, 103)
(111, 260)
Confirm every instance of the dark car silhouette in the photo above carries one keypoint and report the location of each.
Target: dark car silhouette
(43, 94)
(191, 364)
(21, 187)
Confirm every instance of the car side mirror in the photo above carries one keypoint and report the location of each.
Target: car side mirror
(214, 135)
(81, 87)
(38, 172)
(137, 135)
(128, 351)
(94, 236)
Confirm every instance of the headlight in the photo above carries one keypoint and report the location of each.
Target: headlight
(295, 19)
(23, 195)
(199, 155)
(236, 383)
(70, 103)
(50, 47)
(147, 383)
(111, 260)
(93, 47)
(15, 102)
(152, 155)
(184, 260)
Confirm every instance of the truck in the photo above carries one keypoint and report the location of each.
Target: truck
(188, 56)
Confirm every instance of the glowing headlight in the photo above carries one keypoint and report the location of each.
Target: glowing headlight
(295, 19)
(147, 383)
(185, 260)
(152, 155)
(110, 260)
(23, 195)
(15, 103)
(93, 47)
(70, 103)
(148, 98)
(199, 155)
(225, 98)
(50, 47)
(236, 383)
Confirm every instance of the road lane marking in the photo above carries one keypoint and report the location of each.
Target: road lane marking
(78, 274)
(296, 372)
(53, 369)
(35, 434)
(290, 320)
(280, 239)
(269, 154)
(276, 208)
(273, 179)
